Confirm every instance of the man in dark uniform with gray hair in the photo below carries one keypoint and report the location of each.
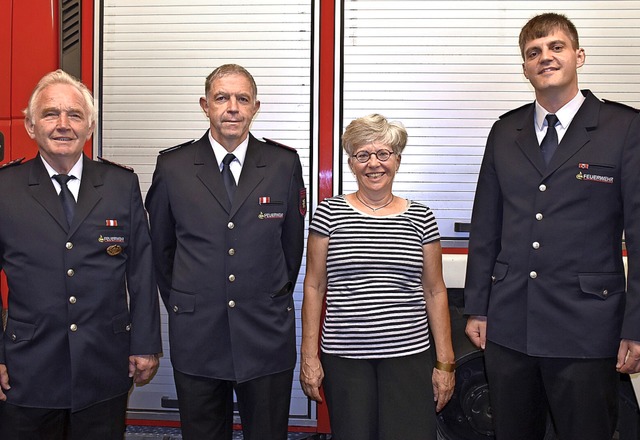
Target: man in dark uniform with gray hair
(227, 222)
(83, 315)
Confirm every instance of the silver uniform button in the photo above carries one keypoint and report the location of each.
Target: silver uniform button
(13, 336)
(232, 251)
(72, 299)
(539, 216)
(542, 187)
(232, 304)
(73, 327)
(605, 292)
(71, 272)
(535, 245)
(232, 278)
(230, 225)
(175, 309)
(69, 245)
(128, 327)
(533, 274)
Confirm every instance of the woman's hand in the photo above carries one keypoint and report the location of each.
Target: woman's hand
(311, 375)
(443, 384)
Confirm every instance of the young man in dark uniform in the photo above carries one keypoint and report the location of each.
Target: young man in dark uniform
(545, 288)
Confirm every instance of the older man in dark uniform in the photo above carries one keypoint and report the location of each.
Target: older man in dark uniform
(546, 289)
(227, 221)
(83, 305)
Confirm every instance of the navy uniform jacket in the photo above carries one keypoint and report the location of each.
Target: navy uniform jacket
(227, 272)
(545, 252)
(71, 325)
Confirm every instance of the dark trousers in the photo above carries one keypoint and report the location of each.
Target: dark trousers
(206, 406)
(580, 394)
(102, 421)
(380, 399)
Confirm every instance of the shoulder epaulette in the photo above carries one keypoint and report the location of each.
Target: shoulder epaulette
(628, 107)
(167, 150)
(119, 165)
(278, 144)
(12, 163)
(513, 111)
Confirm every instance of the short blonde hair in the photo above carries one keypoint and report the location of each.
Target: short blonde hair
(374, 128)
(61, 77)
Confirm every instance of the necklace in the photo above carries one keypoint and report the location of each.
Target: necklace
(371, 207)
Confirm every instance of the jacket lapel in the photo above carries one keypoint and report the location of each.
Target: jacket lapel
(89, 196)
(42, 189)
(207, 170)
(528, 142)
(252, 173)
(577, 136)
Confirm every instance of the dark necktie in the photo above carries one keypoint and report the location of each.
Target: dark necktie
(66, 198)
(550, 142)
(227, 176)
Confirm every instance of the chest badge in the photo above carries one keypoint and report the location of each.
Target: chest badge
(594, 178)
(270, 215)
(114, 250)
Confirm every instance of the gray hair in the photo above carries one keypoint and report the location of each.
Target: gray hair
(61, 77)
(230, 69)
(374, 128)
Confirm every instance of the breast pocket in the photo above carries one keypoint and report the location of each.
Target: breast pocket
(113, 242)
(272, 210)
(597, 174)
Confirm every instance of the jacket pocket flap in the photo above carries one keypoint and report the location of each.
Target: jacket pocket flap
(20, 331)
(602, 285)
(499, 271)
(180, 302)
(285, 290)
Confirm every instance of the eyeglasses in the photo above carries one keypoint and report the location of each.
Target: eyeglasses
(364, 156)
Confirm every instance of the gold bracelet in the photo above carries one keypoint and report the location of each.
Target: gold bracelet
(450, 368)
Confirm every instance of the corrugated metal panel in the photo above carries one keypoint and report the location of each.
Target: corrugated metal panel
(156, 56)
(447, 70)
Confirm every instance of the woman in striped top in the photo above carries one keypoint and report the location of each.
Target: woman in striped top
(377, 259)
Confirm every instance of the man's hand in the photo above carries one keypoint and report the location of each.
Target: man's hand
(477, 330)
(628, 357)
(142, 367)
(4, 381)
